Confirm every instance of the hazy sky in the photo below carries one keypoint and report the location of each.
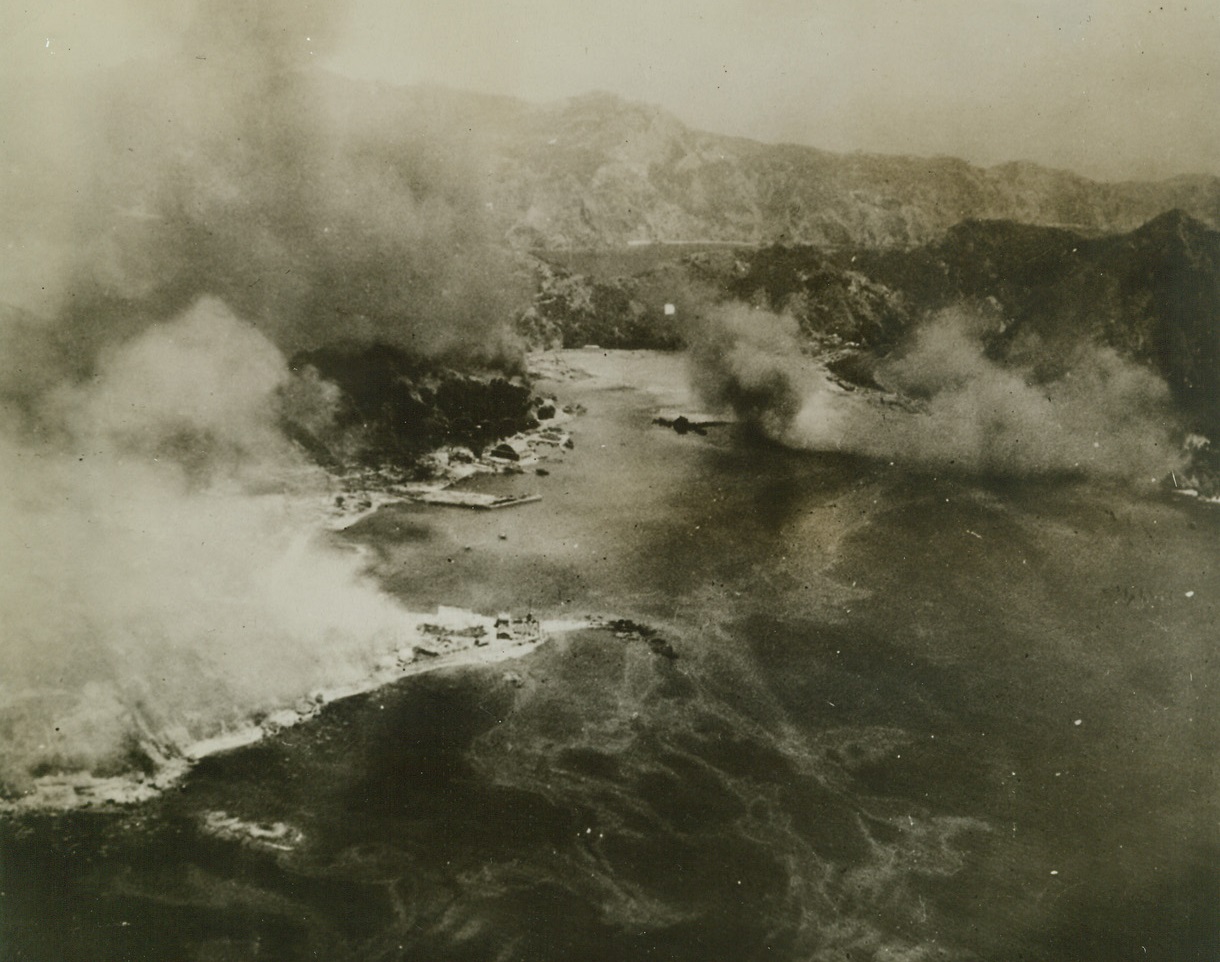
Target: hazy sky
(1112, 88)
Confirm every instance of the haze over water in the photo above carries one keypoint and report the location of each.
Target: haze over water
(912, 717)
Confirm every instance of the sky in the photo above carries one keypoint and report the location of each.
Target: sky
(1113, 89)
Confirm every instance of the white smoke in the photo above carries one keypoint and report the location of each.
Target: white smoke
(171, 224)
(1105, 416)
(161, 571)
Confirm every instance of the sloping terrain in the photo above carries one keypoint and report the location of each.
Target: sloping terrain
(597, 171)
(1037, 296)
(600, 172)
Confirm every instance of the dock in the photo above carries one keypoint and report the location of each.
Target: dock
(475, 499)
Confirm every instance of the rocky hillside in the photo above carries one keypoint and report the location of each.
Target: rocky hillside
(1152, 294)
(597, 171)
(368, 405)
(1038, 295)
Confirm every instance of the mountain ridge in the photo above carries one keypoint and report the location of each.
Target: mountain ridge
(597, 171)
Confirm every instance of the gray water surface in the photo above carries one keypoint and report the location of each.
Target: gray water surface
(912, 717)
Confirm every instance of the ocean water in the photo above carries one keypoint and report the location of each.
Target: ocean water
(912, 716)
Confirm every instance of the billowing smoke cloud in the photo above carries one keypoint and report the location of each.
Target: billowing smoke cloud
(749, 360)
(951, 405)
(174, 228)
(317, 208)
(161, 574)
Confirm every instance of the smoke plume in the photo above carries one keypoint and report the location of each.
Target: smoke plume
(749, 360)
(174, 228)
(951, 405)
(162, 574)
(317, 208)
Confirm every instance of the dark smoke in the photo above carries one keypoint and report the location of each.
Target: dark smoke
(749, 360)
(1103, 416)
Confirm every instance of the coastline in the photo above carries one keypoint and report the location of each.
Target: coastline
(448, 639)
(451, 638)
(363, 492)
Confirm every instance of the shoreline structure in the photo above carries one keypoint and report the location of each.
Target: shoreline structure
(448, 639)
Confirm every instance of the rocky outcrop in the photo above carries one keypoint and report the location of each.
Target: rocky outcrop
(573, 310)
(1040, 294)
(1152, 294)
(390, 408)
